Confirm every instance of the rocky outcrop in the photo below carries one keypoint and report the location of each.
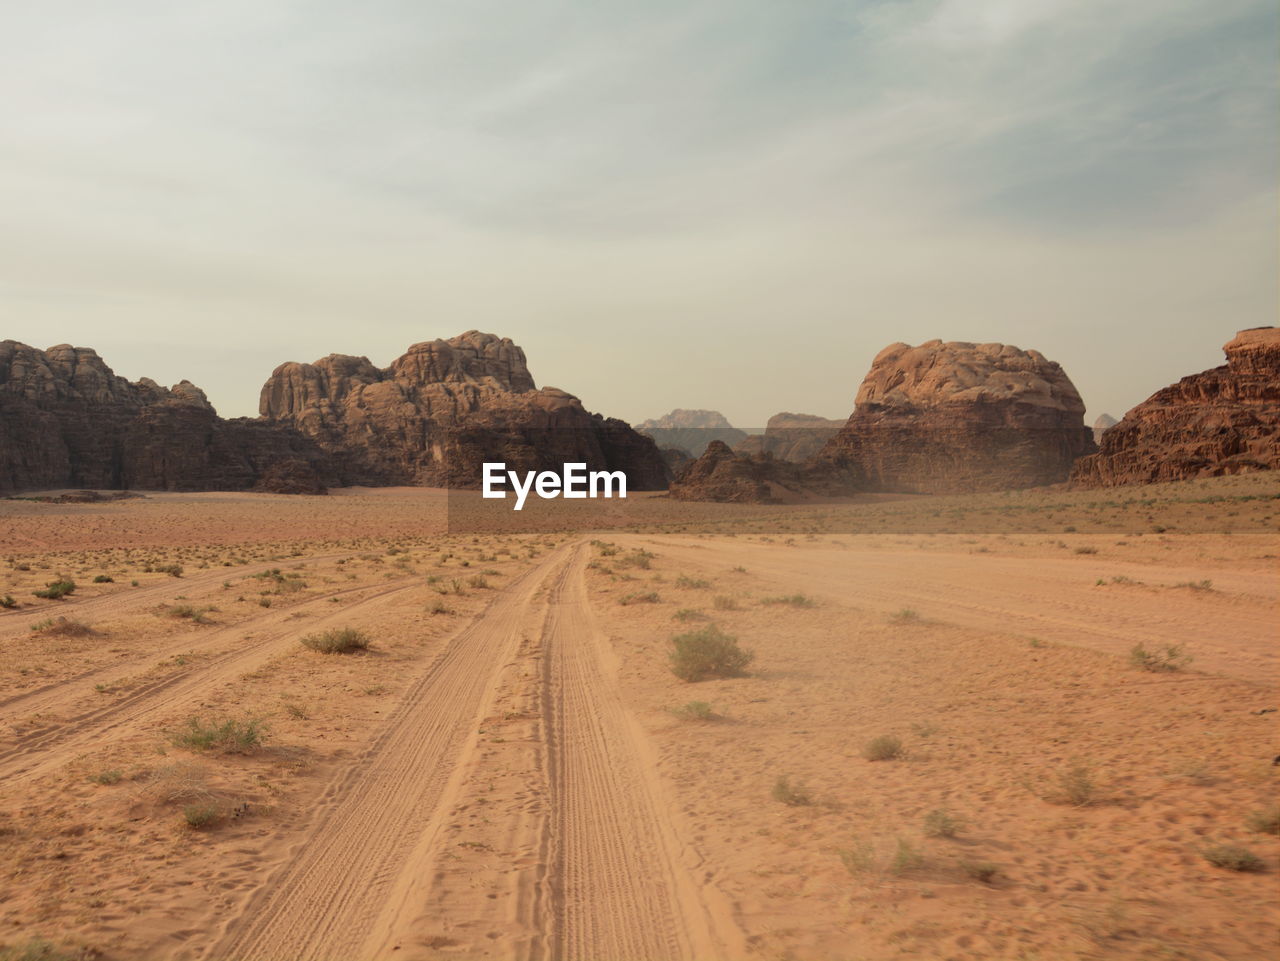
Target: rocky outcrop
(958, 417)
(791, 437)
(692, 430)
(1222, 421)
(437, 413)
(67, 420)
(1103, 424)
(722, 475)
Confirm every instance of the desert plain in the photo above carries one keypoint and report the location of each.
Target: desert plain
(1037, 725)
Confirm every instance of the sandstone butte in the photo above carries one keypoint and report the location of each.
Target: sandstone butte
(938, 418)
(791, 437)
(1223, 421)
(690, 431)
(66, 420)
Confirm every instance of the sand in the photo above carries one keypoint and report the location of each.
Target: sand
(511, 771)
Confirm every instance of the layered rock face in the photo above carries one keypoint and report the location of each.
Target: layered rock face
(444, 408)
(1222, 421)
(67, 420)
(691, 430)
(958, 417)
(791, 437)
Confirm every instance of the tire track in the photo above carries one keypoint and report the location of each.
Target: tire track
(42, 750)
(323, 902)
(617, 885)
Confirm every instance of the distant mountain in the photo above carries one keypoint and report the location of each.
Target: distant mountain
(791, 437)
(692, 430)
(1100, 425)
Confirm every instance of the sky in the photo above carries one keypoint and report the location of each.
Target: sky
(731, 204)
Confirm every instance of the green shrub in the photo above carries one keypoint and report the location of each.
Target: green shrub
(707, 652)
(1169, 659)
(905, 616)
(689, 614)
(229, 736)
(723, 602)
(56, 590)
(886, 747)
(693, 583)
(8, 601)
(795, 795)
(104, 579)
(342, 640)
(1233, 858)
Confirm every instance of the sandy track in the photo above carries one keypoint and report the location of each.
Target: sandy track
(1229, 630)
(323, 900)
(46, 748)
(616, 882)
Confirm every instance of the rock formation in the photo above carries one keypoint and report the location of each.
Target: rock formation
(959, 417)
(692, 430)
(722, 475)
(1100, 426)
(1222, 421)
(66, 420)
(791, 437)
(445, 407)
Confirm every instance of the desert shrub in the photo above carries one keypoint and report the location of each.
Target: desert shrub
(189, 613)
(478, 581)
(38, 949)
(693, 583)
(62, 627)
(339, 640)
(886, 747)
(689, 614)
(437, 606)
(1205, 585)
(173, 570)
(1086, 550)
(905, 858)
(1265, 821)
(941, 824)
(1170, 658)
(694, 711)
(8, 601)
(1075, 785)
(637, 597)
(56, 590)
(104, 579)
(859, 859)
(983, 871)
(794, 600)
(795, 795)
(1233, 857)
(229, 736)
(107, 777)
(707, 652)
(904, 616)
(723, 602)
(201, 815)
(637, 558)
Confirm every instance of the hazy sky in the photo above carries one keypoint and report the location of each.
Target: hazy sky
(731, 204)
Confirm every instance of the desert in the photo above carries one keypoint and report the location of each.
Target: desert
(945, 745)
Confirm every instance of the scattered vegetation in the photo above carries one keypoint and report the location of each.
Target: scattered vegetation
(886, 747)
(1170, 658)
(189, 613)
(1205, 585)
(707, 652)
(636, 597)
(689, 614)
(62, 627)
(723, 602)
(339, 640)
(1265, 821)
(693, 583)
(38, 949)
(230, 736)
(794, 795)
(107, 777)
(1233, 857)
(904, 616)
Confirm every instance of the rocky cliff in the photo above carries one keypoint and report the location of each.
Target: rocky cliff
(791, 437)
(959, 417)
(691, 430)
(438, 412)
(67, 420)
(1222, 421)
(722, 475)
